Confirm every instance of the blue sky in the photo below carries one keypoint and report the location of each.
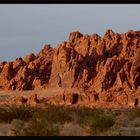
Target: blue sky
(25, 28)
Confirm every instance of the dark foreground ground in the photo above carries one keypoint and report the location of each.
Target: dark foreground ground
(68, 121)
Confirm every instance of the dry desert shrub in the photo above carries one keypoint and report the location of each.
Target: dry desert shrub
(16, 112)
(41, 127)
(54, 114)
(81, 115)
(35, 127)
(18, 127)
(101, 123)
(49, 121)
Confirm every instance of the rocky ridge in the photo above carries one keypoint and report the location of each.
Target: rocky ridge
(106, 68)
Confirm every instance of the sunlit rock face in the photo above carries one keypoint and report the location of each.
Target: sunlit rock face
(31, 72)
(105, 65)
(97, 63)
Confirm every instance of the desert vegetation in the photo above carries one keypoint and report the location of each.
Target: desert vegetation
(70, 121)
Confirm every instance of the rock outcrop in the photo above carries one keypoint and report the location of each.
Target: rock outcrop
(97, 63)
(32, 72)
(107, 66)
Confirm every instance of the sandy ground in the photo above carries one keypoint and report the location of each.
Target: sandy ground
(5, 129)
(42, 92)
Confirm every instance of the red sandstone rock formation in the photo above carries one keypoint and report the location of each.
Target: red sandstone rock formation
(108, 66)
(97, 63)
(32, 72)
(32, 100)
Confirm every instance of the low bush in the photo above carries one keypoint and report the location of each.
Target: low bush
(50, 120)
(82, 114)
(54, 114)
(41, 127)
(101, 123)
(13, 112)
(35, 127)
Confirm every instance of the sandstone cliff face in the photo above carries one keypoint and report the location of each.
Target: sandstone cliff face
(108, 66)
(97, 63)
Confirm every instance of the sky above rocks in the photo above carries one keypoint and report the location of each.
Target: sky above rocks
(25, 28)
